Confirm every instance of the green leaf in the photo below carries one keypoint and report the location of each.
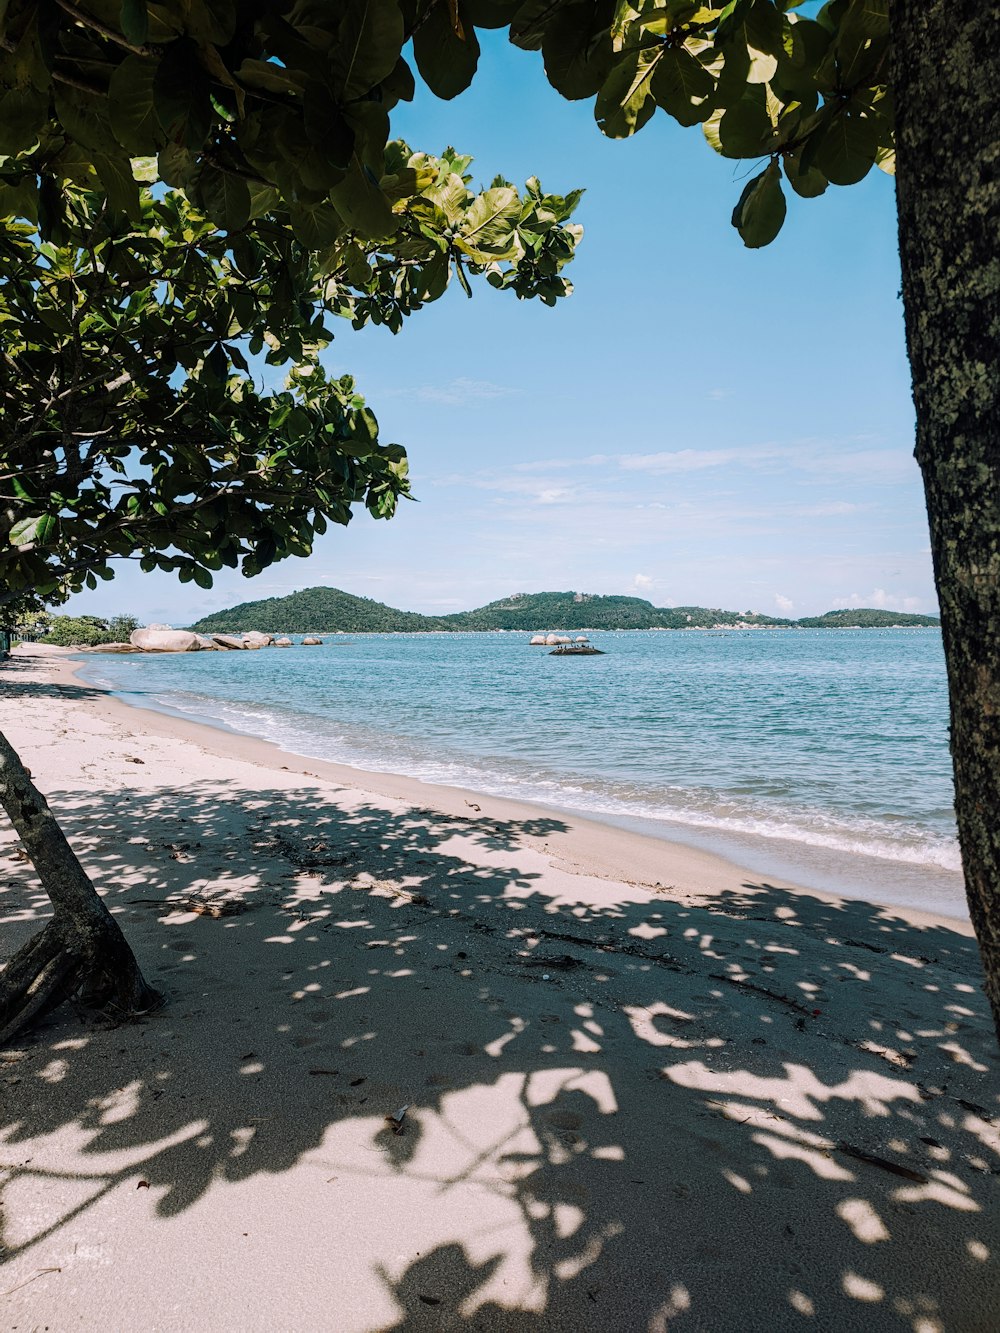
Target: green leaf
(181, 96)
(85, 119)
(844, 151)
(489, 224)
(625, 102)
(446, 61)
(177, 166)
(367, 48)
(23, 112)
(761, 210)
(20, 200)
(119, 185)
(362, 205)
(807, 181)
(224, 196)
(577, 60)
(683, 87)
(131, 107)
(42, 530)
(745, 129)
(134, 21)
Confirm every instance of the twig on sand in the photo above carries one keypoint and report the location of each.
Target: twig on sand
(763, 990)
(39, 1272)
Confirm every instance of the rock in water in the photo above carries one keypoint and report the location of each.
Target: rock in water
(164, 640)
(283, 643)
(311, 641)
(255, 639)
(227, 641)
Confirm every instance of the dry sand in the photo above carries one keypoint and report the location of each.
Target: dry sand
(644, 1091)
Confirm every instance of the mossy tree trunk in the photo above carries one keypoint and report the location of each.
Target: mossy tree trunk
(947, 84)
(81, 951)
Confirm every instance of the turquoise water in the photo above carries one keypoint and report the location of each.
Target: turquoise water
(821, 754)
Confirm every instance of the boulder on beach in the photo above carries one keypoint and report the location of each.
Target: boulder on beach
(311, 641)
(255, 639)
(164, 640)
(227, 641)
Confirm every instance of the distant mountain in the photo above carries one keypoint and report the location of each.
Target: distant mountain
(315, 609)
(867, 618)
(329, 609)
(580, 610)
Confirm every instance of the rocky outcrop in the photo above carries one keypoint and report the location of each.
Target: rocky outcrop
(311, 641)
(283, 643)
(164, 640)
(227, 641)
(537, 641)
(255, 639)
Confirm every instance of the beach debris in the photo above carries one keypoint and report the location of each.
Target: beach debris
(133, 759)
(232, 905)
(314, 1072)
(39, 1272)
(143, 1185)
(356, 1082)
(976, 1109)
(746, 984)
(396, 1118)
(883, 1163)
(472, 806)
(563, 963)
(428, 1300)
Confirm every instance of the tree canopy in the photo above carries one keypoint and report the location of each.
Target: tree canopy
(252, 105)
(133, 425)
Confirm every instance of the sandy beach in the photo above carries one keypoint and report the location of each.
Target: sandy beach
(643, 1089)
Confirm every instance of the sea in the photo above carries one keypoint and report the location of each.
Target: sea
(819, 756)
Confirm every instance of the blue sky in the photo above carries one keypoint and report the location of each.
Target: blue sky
(698, 423)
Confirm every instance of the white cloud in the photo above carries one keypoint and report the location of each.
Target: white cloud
(458, 392)
(679, 460)
(784, 604)
(884, 601)
(642, 582)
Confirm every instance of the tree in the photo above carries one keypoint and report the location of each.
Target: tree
(290, 102)
(132, 425)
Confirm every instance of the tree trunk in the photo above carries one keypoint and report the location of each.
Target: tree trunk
(947, 85)
(81, 951)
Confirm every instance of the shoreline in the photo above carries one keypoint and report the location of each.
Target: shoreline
(921, 891)
(431, 1062)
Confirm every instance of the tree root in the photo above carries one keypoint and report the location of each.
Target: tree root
(102, 975)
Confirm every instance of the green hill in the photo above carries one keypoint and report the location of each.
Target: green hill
(319, 610)
(315, 610)
(578, 610)
(867, 618)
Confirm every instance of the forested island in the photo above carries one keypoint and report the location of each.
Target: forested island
(331, 609)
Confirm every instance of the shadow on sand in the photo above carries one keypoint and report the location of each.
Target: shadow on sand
(766, 1112)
